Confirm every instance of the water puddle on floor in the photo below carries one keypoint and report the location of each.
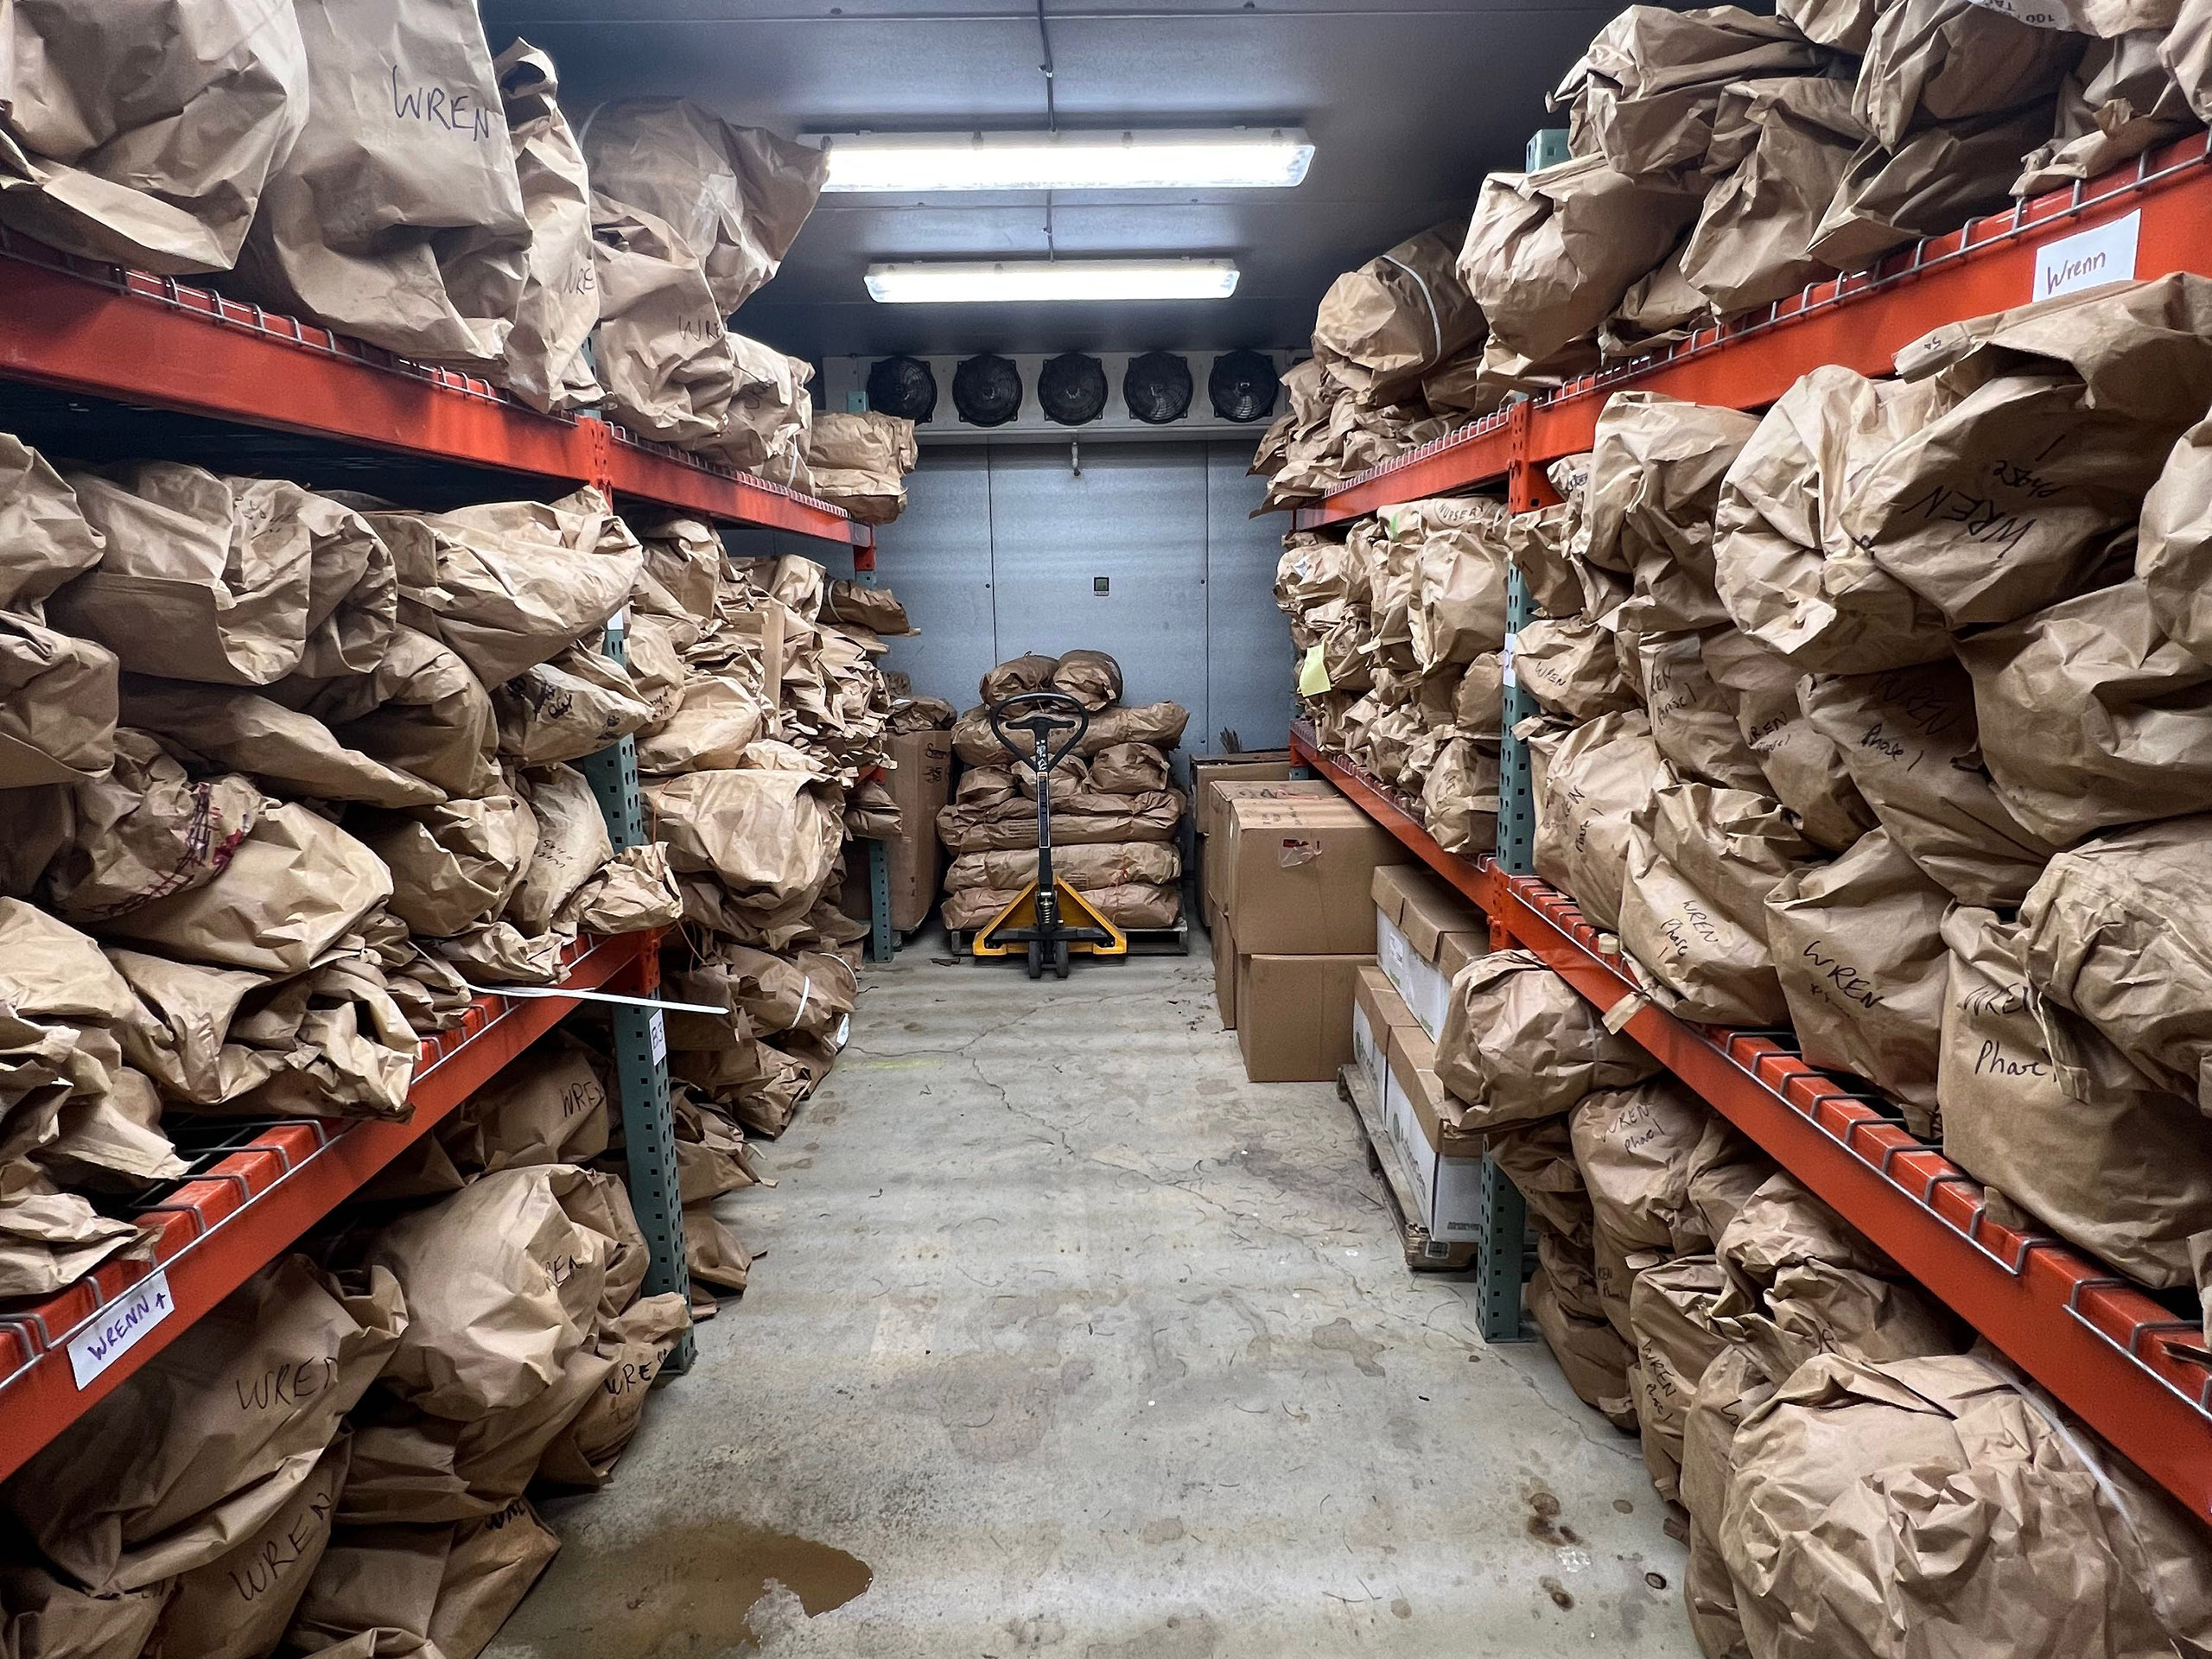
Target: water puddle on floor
(683, 1592)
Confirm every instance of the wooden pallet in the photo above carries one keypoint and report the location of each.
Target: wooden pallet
(1423, 1254)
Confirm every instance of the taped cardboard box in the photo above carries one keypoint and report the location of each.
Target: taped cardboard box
(1298, 876)
(1377, 1013)
(1444, 1162)
(1215, 793)
(1293, 1015)
(1225, 973)
(1414, 914)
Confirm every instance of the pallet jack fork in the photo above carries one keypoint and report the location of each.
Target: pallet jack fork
(1048, 919)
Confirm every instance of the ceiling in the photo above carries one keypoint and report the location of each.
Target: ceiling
(1408, 103)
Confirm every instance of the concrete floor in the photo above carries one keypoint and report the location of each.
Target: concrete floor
(1065, 1340)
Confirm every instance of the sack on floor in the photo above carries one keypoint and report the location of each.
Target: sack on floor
(239, 1605)
(1520, 1044)
(1669, 1307)
(214, 1434)
(1590, 1353)
(396, 217)
(638, 1341)
(735, 195)
(2119, 930)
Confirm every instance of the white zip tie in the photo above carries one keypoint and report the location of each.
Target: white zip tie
(529, 991)
(1435, 322)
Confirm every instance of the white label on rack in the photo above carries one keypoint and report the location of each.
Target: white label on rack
(1505, 664)
(658, 1027)
(117, 1329)
(2089, 259)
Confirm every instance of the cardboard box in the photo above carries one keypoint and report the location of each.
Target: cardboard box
(1296, 875)
(1444, 1162)
(1224, 975)
(1293, 1015)
(1212, 819)
(1377, 1010)
(1205, 773)
(1419, 923)
(921, 781)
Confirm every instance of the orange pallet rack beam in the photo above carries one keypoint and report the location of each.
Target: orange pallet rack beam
(218, 1228)
(130, 337)
(1859, 320)
(2120, 1361)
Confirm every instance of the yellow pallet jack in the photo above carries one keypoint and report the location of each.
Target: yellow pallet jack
(1048, 919)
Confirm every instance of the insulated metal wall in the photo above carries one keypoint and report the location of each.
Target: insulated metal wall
(999, 549)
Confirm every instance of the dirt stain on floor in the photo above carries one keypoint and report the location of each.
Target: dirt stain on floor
(684, 1592)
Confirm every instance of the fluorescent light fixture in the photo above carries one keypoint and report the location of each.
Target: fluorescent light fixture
(1234, 158)
(939, 282)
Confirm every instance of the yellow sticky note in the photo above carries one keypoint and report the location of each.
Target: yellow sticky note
(1312, 673)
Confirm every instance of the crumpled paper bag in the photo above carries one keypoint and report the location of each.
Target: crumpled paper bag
(662, 348)
(1384, 326)
(1519, 1044)
(1782, 149)
(543, 363)
(1600, 775)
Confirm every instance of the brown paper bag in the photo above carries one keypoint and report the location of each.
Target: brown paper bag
(662, 348)
(634, 891)
(1017, 675)
(715, 720)
(1107, 865)
(1912, 743)
(1667, 1305)
(50, 1239)
(421, 711)
(1091, 677)
(1646, 94)
(48, 538)
(1846, 25)
(452, 866)
(1693, 720)
(859, 462)
(550, 1107)
(293, 887)
(736, 195)
(1863, 967)
(572, 845)
(1805, 768)
(1598, 777)
(2091, 716)
(2116, 103)
(578, 703)
(503, 1282)
(239, 1605)
(2116, 931)
(57, 706)
(144, 831)
(1519, 1044)
(1594, 1359)
(396, 217)
(1129, 769)
(492, 1566)
(196, 1451)
(167, 179)
(1788, 574)
(1930, 62)
(1539, 1159)
(2005, 502)
(296, 754)
(1656, 477)
(1782, 149)
(1934, 181)
(770, 837)
(876, 609)
(1909, 1472)
(2038, 1104)
(1640, 1149)
(585, 1452)
(1550, 254)
(1383, 326)
(544, 363)
(516, 582)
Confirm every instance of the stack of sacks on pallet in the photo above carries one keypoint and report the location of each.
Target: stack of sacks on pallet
(1401, 626)
(337, 1451)
(1785, 1379)
(1116, 813)
(266, 821)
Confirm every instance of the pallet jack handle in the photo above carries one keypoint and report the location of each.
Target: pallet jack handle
(1043, 715)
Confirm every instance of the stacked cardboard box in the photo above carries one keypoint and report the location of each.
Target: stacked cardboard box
(1293, 875)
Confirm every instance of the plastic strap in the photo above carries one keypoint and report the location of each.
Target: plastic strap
(526, 992)
(1435, 321)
